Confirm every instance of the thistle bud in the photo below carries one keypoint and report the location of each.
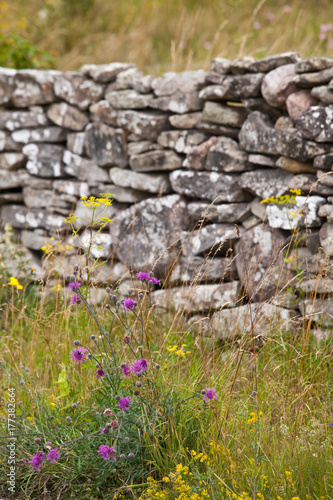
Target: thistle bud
(108, 289)
(74, 406)
(118, 398)
(26, 370)
(89, 355)
(131, 456)
(157, 367)
(203, 392)
(138, 383)
(68, 420)
(136, 393)
(122, 456)
(140, 296)
(77, 342)
(114, 299)
(127, 339)
(127, 439)
(92, 337)
(38, 440)
(107, 306)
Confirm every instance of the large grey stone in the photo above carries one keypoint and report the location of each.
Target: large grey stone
(259, 104)
(12, 120)
(40, 134)
(198, 297)
(215, 129)
(77, 90)
(313, 64)
(44, 160)
(208, 186)
(155, 161)
(178, 92)
(326, 238)
(145, 124)
(142, 83)
(104, 73)
(234, 88)
(106, 145)
(278, 84)
(75, 143)
(302, 213)
(64, 115)
(257, 319)
(231, 212)
(33, 87)
(13, 180)
(21, 217)
(230, 116)
(71, 188)
(102, 112)
(10, 198)
(44, 198)
(220, 65)
(315, 78)
(198, 269)
(274, 61)
(259, 261)
(182, 141)
(123, 80)
(258, 136)
(84, 169)
(319, 311)
(138, 147)
(185, 121)
(152, 183)
(210, 239)
(128, 99)
(323, 93)
(327, 212)
(265, 183)
(196, 158)
(226, 156)
(6, 84)
(317, 123)
(323, 162)
(147, 235)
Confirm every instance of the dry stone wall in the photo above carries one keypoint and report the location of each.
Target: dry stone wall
(203, 146)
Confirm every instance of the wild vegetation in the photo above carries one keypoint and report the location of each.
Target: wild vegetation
(126, 401)
(159, 35)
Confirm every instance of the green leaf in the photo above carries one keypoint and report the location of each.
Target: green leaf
(63, 384)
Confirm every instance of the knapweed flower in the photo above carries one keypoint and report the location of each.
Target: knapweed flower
(126, 370)
(107, 452)
(37, 460)
(78, 355)
(100, 373)
(74, 286)
(154, 280)
(107, 412)
(129, 304)
(139, 366)
(114, 424)
(53, 455)
(210, 394)
(74, 300)
(125, 403)
(143, 276)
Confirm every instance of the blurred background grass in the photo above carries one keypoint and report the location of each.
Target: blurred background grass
(159, 35)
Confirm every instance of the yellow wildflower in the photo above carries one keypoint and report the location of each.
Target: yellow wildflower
(14, 282)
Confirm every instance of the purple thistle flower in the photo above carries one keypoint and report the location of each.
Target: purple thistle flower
(74, 286)
(154, 280)
(125, 403)
(129, 304)
(74, 300)
(37, 460)
(100, 373)
(78, 355)
(106, 430)
(53, 455)
(331, 424)
(143, 276)
(107, 452)
(210, 394)
(139, 366)
(126, 371)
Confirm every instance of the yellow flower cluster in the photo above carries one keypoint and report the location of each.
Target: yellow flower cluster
(285, 199)
(93, 202)
(179, 351)
(14, 282)
(182, 486)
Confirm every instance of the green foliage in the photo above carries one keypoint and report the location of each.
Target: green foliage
(17, 52)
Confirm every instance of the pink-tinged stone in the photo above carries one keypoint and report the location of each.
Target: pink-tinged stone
(298, 102)
(277, 85)
(196, 158)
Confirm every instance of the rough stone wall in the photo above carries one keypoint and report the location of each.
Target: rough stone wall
(175, 149)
